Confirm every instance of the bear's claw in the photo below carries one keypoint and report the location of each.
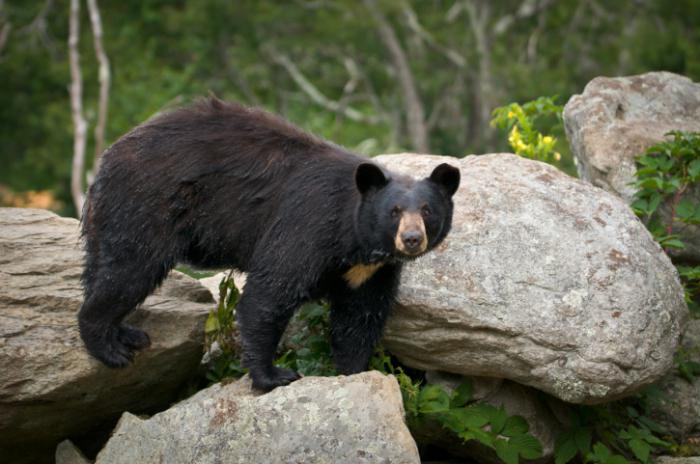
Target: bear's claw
(115, 345)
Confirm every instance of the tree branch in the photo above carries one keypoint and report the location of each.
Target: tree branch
(314, 94)
(413, 23)
(104, 79)
(76, 96)
(415, 114)
(527, 9)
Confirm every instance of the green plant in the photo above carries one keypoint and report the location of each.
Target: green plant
(220, 328)
(523, 137)
(311, 354)
(665, 172)
(457, 411)
(687, 368)
(623, 427)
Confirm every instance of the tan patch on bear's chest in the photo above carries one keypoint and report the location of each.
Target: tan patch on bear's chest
(360, 273)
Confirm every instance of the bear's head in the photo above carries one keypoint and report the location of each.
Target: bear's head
(400, 217)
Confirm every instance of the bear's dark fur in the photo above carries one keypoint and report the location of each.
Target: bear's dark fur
(220, 185)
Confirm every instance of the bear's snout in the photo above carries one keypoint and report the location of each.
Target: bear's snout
(410, 237)
(412, 240)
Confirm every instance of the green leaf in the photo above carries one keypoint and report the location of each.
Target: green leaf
(212, 323)
(482, 436)
(515, 425)
(654, 201)
(641, 206)
(497, 419)
(462, 394)
(672, 243)
(565, 448)
(694, 170)
(685, 209)
(640, 448)
(651, 183)
(527, 445)
(432, 399)
(507, 453)
(582, 438)
(601, 452)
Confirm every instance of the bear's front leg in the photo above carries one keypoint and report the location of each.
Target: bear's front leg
(358, 316)
(261, 319)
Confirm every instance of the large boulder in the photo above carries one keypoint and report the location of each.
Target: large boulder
(544, 280)
(616, 119)
(50, 388)
(356, 419)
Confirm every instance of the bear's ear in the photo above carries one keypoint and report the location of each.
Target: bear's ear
(367, 176)
(447, 177)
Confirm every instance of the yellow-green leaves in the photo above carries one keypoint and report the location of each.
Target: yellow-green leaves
(523, 138)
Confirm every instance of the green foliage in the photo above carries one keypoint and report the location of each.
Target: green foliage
(220, 327)
(312, 355)
(665, 172)
(523, 137)
(622, 426)
(687, 368)
(468, 419)
(186, 48)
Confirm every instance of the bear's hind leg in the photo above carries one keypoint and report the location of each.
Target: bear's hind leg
(111, 294)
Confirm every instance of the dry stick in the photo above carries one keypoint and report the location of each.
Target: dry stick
(104, 79)
(76, 95)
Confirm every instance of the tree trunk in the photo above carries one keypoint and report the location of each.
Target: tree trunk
(415, 114)
(76, 95)
(104, 79)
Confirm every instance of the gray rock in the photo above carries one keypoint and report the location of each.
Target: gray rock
(679, 407)
(544, 280)
(616, 119)
(678, 460)
(356, 419)
(68, 453)
(50, 389)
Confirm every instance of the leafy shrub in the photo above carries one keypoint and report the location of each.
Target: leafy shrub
(665, 172)
(614, 433)
(523, 137)
(459, 413)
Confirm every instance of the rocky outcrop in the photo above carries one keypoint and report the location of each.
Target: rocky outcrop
(68, 453)
(544, 280)
(678, 460)
(679, 406)
(355, 419)
(50, 389)
(616, 119)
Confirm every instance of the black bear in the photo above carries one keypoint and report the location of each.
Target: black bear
(218, 184)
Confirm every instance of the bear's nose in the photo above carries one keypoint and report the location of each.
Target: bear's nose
(412, 239)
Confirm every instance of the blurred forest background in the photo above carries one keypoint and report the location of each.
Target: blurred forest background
(376, 76)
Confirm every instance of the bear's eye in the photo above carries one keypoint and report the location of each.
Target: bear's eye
(395, 212)
(425, 211)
